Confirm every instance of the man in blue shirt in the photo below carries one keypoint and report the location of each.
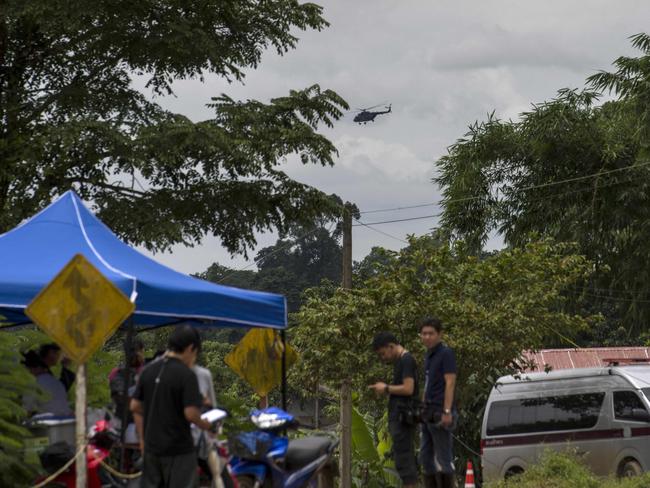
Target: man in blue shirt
(436, 453)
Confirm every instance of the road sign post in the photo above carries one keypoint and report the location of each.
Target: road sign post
(80, 428)
(79, 309)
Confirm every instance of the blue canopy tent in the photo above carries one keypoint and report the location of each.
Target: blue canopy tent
(34, 252)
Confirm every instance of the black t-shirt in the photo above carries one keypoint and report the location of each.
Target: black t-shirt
(166, 430)
(404, 367)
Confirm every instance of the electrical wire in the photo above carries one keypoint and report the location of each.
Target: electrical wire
(545, 198)
(380, 231)
(532, 187)
(396, 220)
(609, 298)
(407, 207)
(370, 225)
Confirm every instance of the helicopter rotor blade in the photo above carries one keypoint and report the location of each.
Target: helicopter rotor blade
(375, 106)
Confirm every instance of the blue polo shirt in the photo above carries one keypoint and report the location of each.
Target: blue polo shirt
(439, 361)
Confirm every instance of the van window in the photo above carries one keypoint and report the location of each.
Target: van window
(543, 414)
(624, 402)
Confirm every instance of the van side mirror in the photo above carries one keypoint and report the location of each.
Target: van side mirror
(640, 414)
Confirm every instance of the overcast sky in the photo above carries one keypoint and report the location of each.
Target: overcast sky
(442, 65)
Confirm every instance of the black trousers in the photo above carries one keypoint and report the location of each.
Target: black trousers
(403, 436)
(169, 471)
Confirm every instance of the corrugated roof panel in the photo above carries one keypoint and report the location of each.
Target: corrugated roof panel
(583, 358)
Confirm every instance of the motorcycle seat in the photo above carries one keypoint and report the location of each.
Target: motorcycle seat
(303, 451)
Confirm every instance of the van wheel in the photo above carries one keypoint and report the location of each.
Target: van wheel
(630, 468)
(514, 471)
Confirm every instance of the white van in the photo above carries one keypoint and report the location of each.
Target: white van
(602, 413)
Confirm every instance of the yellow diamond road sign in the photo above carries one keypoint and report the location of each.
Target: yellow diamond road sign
(80, 308)
(257, 359)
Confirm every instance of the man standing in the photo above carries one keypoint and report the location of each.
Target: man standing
(166, 401)
(402, 394)
(436, 450)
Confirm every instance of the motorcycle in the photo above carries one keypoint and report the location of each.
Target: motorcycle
(101, 439)
(264, 458)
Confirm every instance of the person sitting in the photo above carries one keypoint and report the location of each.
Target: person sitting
(57, 398)
(50, 355)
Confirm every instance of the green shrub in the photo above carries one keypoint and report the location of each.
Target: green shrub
(15, 381)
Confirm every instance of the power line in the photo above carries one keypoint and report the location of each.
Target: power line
(432, 204)
(380, 232)
(610, 298)
(532, 187)
(456, 200)
(396, 220)
(547, 197)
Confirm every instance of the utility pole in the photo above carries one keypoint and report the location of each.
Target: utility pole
(346, 384)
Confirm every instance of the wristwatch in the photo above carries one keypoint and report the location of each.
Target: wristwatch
(446, 411)
(386, 389)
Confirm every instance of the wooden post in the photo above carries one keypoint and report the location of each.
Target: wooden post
(317, 408)
(80, 414)
(128, 358)
(346, 385)
(264, 402)
(283, 336)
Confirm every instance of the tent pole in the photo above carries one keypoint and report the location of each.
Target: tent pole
(283, 335)
(128, 350)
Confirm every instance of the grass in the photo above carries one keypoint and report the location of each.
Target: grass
(566, 470)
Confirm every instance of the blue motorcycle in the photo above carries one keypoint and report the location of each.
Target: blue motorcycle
(266, 459)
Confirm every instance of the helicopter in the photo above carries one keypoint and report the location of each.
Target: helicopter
(365, 115)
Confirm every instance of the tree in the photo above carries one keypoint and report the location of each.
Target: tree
(494, 309)
(572, 170)
(70, 117)
(299, 260)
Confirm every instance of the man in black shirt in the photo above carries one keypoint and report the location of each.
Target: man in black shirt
(402, 394)
(166, 401)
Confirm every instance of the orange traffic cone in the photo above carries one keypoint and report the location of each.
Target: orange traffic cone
(469, 476)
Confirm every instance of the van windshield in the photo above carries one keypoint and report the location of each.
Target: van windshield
(646, 392)
(544, 414)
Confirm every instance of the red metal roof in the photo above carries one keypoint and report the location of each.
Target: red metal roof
(583, 358)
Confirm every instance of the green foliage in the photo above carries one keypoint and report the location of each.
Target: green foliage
(566, 470)
(302, 259)
(370, 465)
(97, 370)
(572, 170)
(494, 308)
(70, 116)
(15, 382)
(226, 382)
